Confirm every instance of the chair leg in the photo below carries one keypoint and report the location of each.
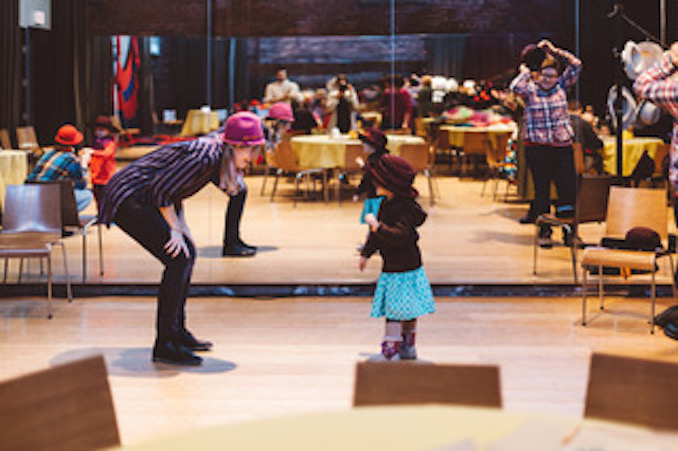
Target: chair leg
(84, 254)
(296, 189)
(338, 190)
(101, 250)
(326, 193)
(275, 183)
(573, 252)
(534, 251)
(653, 293)
(21, 269)
(263, 183)
(69, 290)
(600, 286)
(431, 192)
(583, 295)
(49, 284)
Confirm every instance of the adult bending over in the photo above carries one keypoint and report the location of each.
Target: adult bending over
(145, 200)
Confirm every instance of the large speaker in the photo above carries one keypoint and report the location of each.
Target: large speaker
(35, 14)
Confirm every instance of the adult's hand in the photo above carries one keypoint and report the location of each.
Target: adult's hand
(362, 263)
(176, 244)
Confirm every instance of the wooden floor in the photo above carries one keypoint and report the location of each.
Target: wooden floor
(467, 239)
(286, 356)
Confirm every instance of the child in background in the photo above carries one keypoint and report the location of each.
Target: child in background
(102, 160)
(375, 142)
(403, 291)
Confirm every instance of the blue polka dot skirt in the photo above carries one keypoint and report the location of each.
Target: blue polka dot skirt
(371, 205)
(403, 296)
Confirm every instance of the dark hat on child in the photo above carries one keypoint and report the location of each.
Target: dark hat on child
(375, 138)
(104, 122)
(393, 173)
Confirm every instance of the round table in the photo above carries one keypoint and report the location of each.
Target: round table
(323, 151)
(421, 427)
(13, 170)
(632, 151)
(200, 122)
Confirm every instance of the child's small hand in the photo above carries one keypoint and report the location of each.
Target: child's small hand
(362, 263)
(360, 162)
(356, 198)
(371, 220)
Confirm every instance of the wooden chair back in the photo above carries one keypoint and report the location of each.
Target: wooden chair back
(661, 153)
(636, 207)
(353, 152)
(67, 407)
(5, 142)
(418, 155)
(476, 143)
(283, 155)
(26, 139)
(578, 154)
(496, 149)
(632, 390)
(43, 215)
(592, 198)
(386, 383)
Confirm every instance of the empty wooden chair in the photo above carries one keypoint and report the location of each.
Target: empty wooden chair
(67, 407)
(633, 390)
(385, 383)
(351, 165)
(28, 141)
(5, 142)
(284, 160)
(628, 208)
(419, 157)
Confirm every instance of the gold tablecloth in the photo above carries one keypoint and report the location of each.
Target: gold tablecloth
(456, 133)
(322, 151)
(416, 428)
(199, 123)
(632, 151)
(13, 170)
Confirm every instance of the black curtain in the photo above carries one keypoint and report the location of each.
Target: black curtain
(10, 66)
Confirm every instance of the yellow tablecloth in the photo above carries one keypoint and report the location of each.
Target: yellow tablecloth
(322, 151)
(199, 123)
(633, 150)
(13, 170)
(417, 428)
(456, 133)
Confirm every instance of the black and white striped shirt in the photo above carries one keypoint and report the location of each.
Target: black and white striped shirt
(165, 176)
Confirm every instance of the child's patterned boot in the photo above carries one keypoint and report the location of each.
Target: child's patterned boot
(407, 349)
(390, 350)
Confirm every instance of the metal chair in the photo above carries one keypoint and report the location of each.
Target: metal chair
(390, 383)
(419, 156)
(592, 195)
(632, 390)
(32, 232)
(628, 208)
(71, 218)
(67, 407)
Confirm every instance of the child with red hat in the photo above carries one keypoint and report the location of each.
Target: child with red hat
(102, 161)
(403, 291)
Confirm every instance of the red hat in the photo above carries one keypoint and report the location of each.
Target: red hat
(375, 138)
(68, 135)
(393, 173)
(244, 128)
(281, 110)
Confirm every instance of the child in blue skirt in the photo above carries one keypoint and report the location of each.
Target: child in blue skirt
(403, 291)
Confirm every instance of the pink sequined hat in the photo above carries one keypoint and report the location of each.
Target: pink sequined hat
(281, 110)
(244, 128)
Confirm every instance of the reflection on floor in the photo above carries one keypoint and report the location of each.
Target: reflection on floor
(288, 356)
(467, 239)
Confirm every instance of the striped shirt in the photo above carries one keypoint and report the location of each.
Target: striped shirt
(660, 85)
(58, 165)
(547, 120)
(166, 176)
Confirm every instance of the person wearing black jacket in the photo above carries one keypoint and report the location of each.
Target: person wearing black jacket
(403, 291)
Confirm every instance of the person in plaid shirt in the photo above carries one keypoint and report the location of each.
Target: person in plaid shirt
(547, 132)
(62, 164)
(659, 84)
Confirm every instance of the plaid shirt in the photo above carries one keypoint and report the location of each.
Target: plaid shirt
(547, 120)
(165, 176)
(660, 85)
(58, 165)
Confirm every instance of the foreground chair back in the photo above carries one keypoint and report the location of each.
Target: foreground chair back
(385, 383)
(629, 208)
(67, 407)
(632, 390)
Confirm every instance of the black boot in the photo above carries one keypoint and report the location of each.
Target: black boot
(174, 353)
(188, 340)
(233, 246)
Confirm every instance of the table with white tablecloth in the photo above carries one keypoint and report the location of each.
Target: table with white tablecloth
(13, 170)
